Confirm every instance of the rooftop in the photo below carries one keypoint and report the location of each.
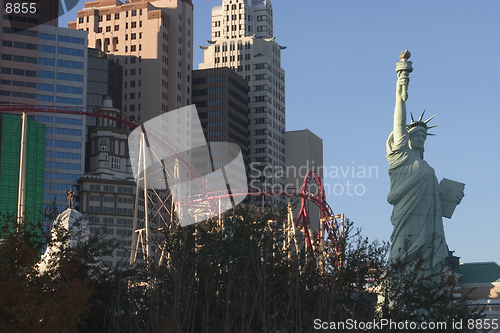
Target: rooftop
(479, 272)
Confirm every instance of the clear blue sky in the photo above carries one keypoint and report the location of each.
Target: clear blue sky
(340, 84)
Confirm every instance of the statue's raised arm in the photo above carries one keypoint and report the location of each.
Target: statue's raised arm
(403, 68)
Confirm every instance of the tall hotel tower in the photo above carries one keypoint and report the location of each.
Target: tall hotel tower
(152, 40)
(242, 39)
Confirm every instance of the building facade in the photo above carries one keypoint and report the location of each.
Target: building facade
(107, 189)
(19, 34)
(62, 83)
(47, 66)
(242, 39)
(104, 78)
(221, 99)
(10, 151)
(304, 151)
(481, 282)
(152, 40)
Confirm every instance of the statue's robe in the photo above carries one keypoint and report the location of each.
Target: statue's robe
(416, 216)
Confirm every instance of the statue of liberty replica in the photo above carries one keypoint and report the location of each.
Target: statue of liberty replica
(414, 190)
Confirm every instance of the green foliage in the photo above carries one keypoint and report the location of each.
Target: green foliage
(30, 301)
(241, 275)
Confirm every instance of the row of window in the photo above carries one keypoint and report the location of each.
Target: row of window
(62, 38)
(59, 165)
(215, 134)
(55, 186)
(209, 91)
(17, 31)
(63, 144)
(18, 83)
(106, 188)
(108, 16)
(17, 94)
(59, 120)
(61, 89)
(69, 166)
(59, 99)
(60, 154)
(63, 176)
(18, 58)
(20, 45)
(111, 199)
(60, 50)
(17, 71)
(60, 76)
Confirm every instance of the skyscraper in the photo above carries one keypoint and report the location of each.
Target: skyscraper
(152, 40)
(62, 82)
(242, 39)
(221, 99)
(47, 65)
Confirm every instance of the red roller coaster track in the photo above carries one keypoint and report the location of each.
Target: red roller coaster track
(330, 228)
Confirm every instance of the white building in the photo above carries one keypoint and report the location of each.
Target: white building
(242, 39)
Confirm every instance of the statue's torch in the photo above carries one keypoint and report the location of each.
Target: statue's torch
(404, 68)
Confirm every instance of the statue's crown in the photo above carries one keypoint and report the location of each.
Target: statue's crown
(414, 124)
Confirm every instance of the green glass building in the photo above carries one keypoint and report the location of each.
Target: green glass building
(10, 150)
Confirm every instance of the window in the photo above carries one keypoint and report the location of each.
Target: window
(67, 144)
(77, 65)
(108, 17)
(77, 53)
(95, 187)
(134, 12)
(62, 38)
(46, 36)
(117, 16)
(133, 24)
(63, 63)
(117, 27)
(77, 77)
(63, 76)
(47, 48)
(46, 74)
(46, 61)
(45, 87)
(132, 48)
(109, 189)
(108, 28)
(64, 50)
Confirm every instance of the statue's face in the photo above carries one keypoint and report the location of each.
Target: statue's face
(417, 139)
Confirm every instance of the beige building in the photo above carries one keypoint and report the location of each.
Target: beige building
(152, 40)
